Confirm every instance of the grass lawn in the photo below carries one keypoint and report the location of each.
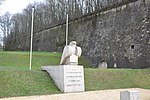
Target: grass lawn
(24, 82)
(20, 60)
(100, 79)
(17, 80)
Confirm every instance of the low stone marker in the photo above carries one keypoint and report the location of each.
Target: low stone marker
(68, 76)
(129, 95)
(102, 64)
(115, 65)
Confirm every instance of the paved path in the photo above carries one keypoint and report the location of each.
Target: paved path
(92, 95)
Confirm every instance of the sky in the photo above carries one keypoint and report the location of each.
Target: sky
(15, 6)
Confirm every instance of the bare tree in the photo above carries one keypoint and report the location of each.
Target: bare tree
(1, 1)
(1, 38)
(52, 13)
(5, 25)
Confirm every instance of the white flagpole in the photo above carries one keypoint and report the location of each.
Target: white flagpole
(33, 8)
(67, 17)
(67, 30)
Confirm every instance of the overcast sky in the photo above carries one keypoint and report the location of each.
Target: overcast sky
(15, 6)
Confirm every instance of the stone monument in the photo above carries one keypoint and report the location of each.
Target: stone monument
(102, 64)
(68, 76)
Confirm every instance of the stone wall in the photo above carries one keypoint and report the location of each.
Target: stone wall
(119, 35)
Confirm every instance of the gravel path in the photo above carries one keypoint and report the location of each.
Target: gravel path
(91, 95)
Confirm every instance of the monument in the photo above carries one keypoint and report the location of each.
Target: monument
(68, 76)
(102, 64)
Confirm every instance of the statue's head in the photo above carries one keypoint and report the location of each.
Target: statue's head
(73, 43)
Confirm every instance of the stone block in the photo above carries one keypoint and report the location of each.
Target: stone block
(68, 78)
(129, 95)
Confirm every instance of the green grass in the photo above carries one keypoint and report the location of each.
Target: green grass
(24, 82)
(20, 60)
(100, 79)
(17, 80)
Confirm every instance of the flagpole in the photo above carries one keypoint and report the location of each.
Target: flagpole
(67, 17)
(31, 43)
(67, 30)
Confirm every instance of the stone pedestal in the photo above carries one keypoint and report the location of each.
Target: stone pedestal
(129, 95)
(68, 78)
(72, 60)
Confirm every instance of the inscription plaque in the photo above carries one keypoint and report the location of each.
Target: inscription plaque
(74, 78)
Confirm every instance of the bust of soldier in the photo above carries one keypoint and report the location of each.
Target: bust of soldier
(70, 54)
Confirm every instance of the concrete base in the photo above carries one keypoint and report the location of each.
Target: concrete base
(129, 95)
(68, 78)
